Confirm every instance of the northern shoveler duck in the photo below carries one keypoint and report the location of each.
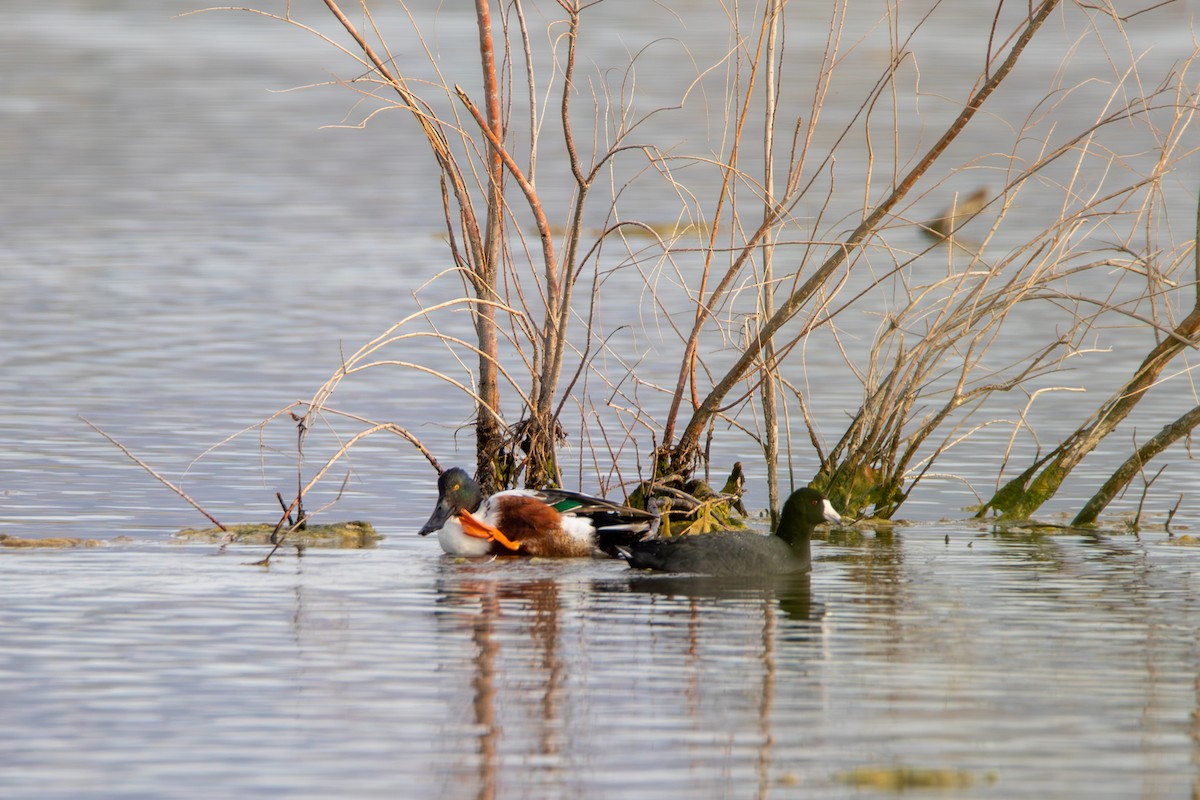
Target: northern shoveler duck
(530, 522)
(783, 552)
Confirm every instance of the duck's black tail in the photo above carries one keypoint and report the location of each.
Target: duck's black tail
(614, 532)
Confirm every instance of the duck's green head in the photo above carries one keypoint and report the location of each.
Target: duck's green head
(457, 491)
(803, 511)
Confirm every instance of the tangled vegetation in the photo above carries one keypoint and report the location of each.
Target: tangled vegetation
(757, 246)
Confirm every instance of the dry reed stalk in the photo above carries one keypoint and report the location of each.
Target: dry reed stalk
(930, 367)
(1025, 493)
(174, 488)
(800, 297)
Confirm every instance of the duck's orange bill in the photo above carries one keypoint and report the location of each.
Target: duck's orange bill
(472, 526)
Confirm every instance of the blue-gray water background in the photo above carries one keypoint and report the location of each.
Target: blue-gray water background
(185, 249)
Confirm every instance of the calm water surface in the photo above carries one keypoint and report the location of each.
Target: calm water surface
(183, 252)
(1013, 666)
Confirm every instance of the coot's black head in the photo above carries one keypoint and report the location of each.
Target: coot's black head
(804, 510)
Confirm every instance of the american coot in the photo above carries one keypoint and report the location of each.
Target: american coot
(528, 522)
(741, 552)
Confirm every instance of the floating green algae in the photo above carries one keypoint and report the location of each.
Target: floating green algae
(899, 778)
(346, 535)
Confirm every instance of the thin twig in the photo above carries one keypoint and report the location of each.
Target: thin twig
(154, 474)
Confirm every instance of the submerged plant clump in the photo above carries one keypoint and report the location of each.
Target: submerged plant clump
(51, 542)
(343, 535)
(904, 778)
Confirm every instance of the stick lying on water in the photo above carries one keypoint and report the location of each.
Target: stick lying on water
(158, 477)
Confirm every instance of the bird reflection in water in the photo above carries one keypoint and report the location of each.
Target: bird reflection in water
(537, 641)
(792, 593)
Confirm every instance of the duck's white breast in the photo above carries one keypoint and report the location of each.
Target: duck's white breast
(455, 541)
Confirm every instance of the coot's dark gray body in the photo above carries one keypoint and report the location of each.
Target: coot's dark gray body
(740, 552)
(720, 553)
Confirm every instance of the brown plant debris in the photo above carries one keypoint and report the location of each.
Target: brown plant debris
(58, 542)
(344, 535)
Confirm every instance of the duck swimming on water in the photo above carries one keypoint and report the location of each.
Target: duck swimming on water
(744, 553)
(531, 522)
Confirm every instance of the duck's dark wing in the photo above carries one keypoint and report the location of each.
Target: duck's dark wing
(616, 525)
(568, 502)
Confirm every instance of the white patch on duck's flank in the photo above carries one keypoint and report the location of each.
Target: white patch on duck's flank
(830, 514)
(580, 528)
